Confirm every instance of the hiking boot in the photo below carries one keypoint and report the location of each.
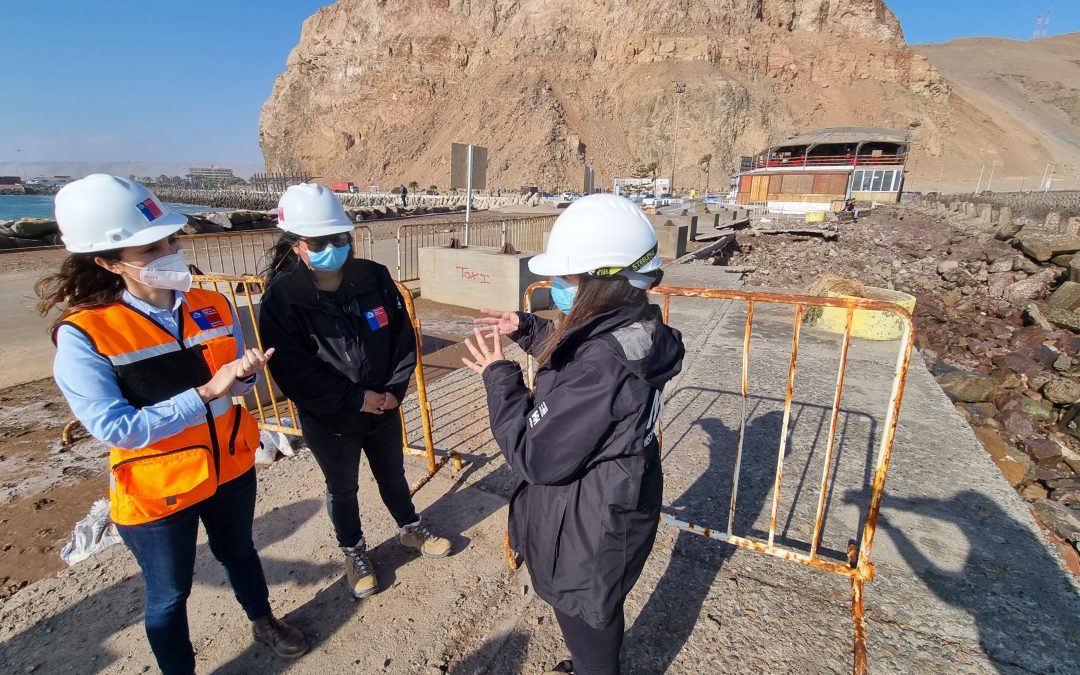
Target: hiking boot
(359, 571)
(418, 537)
(563, 668)
(286, 641)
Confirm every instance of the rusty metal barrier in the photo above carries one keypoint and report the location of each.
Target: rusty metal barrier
(524, 234)
(858, 568)
(265, 402)
(241, 253)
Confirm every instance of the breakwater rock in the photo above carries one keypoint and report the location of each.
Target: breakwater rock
(254, 200)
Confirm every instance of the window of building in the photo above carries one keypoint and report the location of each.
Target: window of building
(876, 181)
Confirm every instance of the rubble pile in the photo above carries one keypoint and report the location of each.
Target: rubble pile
(995, 322)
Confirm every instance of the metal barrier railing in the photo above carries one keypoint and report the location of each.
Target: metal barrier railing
(266, 402)
(241, 253)
(858, 567)
(524, 234)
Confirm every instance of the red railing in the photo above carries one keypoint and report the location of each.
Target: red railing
(826, 160)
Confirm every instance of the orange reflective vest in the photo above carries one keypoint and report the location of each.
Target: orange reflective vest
(151, 366)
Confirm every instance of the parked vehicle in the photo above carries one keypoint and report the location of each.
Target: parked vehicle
(343, 186)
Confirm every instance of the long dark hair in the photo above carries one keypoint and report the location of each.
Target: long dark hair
(80, 284)
(281, 256)
(595, 295)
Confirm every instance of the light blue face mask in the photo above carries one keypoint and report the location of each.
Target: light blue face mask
(562, 294)
(330, 258)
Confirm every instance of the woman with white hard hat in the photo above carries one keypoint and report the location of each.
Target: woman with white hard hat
(584, 441)
(149, 365)
(345, 352)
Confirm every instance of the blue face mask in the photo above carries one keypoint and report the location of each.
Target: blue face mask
(330, 258)
(562, 294)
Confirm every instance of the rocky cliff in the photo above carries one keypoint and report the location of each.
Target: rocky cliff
(377, 91)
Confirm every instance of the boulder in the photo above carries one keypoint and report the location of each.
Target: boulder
(1016, 467)
(1034, 287)
(1052, 222)
(219, 218)
(1017, 422)
(6, 231)
(1042, 247)
(1033, 491)
(1061, 519)
(1072, 228)
(944, 268)
(1066, 496)
(32, 228)
(1067, 296)
(1062, 260)
(1039, 410)
(1062, 391)
(1001, 264)
(967, 387)
(1043, 451)
(1074, 269)
(1007, 231)
(1063, 318)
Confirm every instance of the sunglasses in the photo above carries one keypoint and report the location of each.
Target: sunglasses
(317, 244)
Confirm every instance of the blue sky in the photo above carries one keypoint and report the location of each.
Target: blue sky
(942, 20)
(172, 81)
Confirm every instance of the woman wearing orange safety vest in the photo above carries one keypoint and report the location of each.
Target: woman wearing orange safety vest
(149, 365)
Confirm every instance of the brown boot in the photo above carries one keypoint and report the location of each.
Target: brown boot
(286, 641)
(417, 537)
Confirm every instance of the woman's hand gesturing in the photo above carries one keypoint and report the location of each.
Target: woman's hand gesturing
(504, 322)
(484, 356)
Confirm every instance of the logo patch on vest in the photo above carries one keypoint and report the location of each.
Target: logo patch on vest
(377, 318)
(207, 318)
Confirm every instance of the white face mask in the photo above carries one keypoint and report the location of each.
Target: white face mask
(168, 271)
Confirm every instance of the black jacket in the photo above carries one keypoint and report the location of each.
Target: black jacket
(585, 447)
(330, 347)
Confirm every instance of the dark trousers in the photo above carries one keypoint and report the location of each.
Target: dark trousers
(404, 200)
(165, 551)
(594, 651)
(338, 455)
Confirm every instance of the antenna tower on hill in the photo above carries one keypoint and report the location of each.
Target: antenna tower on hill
(1042, 24)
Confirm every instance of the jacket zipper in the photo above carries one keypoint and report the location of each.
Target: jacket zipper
(235, 429)
(160, 454)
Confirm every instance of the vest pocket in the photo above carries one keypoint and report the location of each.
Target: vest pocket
(160, 484)
(219, 351)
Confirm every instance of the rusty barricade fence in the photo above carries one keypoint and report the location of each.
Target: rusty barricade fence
(276, 413)
(858, 566)
(524, 234)
(241, 253)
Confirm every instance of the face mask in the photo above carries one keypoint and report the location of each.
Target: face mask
(329, 259)
(168, 271)
(562, 294)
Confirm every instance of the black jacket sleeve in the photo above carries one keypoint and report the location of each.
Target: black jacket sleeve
(403, 359)
(532, 331)
(549, 443)
(303, 377)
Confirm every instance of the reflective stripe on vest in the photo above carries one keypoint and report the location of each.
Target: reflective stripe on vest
(151, 365)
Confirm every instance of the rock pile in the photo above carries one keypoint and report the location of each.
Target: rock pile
(995, 322)
(253, 200)
(28, 233)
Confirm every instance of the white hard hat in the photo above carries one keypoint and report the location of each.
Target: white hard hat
(310, 210)
(103, 212)
(602, 234)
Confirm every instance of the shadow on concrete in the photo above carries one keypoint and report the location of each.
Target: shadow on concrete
(673, 608)
(1026, 612)
(80, 632)
(514, 644)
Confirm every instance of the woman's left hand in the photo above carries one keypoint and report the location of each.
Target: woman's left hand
(252, 362)
(484, 357)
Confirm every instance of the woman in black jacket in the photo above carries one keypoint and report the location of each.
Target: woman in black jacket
(584, 442)
(345, 351)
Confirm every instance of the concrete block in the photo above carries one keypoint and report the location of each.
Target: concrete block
(1004, 217)
(689, 221)
(985, 213)
(1067, 296)
(672, 240)
(1074, 269)
(477, 277)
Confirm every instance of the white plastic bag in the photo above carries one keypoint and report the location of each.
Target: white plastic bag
(91, 534)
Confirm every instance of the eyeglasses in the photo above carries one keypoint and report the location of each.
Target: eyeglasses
(317, 244)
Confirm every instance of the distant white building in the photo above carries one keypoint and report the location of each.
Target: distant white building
(657, 186)
(211, 176)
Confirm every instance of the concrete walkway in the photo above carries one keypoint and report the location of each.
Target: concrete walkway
(965, 582)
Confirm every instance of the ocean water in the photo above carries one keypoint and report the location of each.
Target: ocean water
(13, 207)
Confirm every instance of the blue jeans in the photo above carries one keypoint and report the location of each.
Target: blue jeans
(165, 551)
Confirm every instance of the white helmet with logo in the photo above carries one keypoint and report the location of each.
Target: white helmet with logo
(103, 212)
(310, 210)
(602, 235)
